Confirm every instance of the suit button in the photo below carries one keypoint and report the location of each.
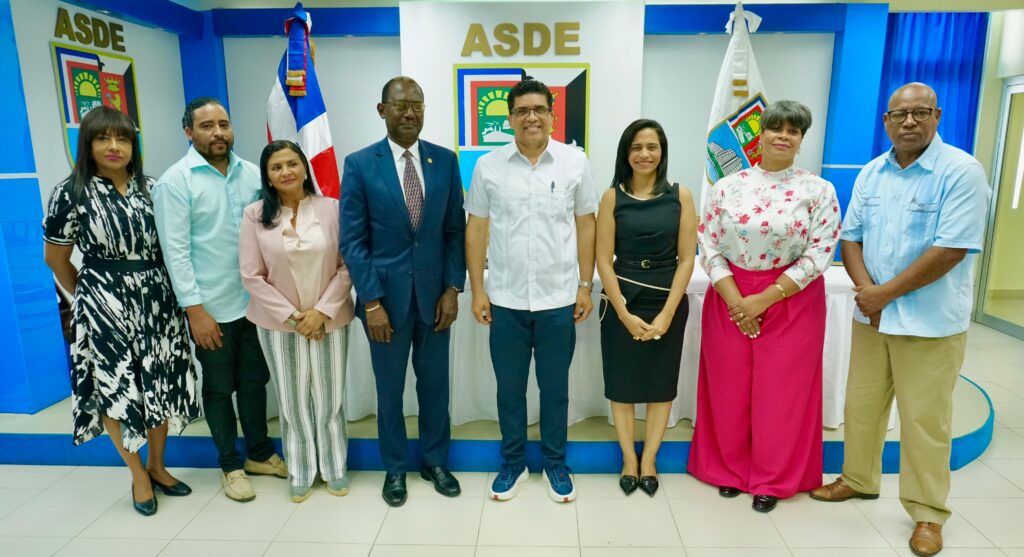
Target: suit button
(409, 272)
(415, 243)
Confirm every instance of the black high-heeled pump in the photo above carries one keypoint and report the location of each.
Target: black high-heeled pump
(649, 484)
(628, 484)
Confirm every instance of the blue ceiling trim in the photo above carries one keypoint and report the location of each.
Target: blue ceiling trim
(160, 14)
(354, 22)
(663, 19)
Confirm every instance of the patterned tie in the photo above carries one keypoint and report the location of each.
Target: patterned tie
(413, 191)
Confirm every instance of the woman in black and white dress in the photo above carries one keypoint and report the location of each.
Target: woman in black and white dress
(131, 371)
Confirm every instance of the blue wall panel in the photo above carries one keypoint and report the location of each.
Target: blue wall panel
(203, 70)
(34, 368)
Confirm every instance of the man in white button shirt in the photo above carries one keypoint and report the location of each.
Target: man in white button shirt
(535, 199)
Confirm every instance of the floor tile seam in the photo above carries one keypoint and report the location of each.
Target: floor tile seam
(294, 507)
(199, 512)
(100, 515)
(950, 501)
(194, 515)
(65, 544)
(61, 477)
(480, 522)
(999, 354)
(877, 530)
(247, 540)
(19, 505)
(1019, 486)
(998, 474)
(675, 523)
(380, 528)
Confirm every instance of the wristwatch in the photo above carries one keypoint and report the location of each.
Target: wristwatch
(588, 284)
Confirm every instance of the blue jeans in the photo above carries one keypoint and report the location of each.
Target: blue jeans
(550, 337)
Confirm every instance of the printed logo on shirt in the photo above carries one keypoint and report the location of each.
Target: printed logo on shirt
(873, 201)
(921, 207)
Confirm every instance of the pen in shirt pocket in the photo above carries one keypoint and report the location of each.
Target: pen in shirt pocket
(552, 186)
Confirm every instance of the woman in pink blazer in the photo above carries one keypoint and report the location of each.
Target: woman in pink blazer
(300, 301)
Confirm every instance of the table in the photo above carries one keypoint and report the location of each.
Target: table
(472, 377)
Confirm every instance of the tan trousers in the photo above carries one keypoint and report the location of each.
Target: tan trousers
(921, 372)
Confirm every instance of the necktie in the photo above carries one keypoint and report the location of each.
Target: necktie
(413, 191)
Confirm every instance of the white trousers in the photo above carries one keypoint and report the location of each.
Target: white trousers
(309, 376)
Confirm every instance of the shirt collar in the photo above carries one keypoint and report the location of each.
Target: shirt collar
(397, 150)
(195, 160)
(927, 158)
(547, 154)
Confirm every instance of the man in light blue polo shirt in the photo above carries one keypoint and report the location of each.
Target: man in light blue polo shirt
(914, 224)
(198, 204)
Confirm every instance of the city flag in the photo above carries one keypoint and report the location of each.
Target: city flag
(295, 109)
(734, 127)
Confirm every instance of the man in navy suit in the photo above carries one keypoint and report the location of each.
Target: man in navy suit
(402, 237)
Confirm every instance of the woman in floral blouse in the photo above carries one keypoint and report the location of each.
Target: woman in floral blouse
(767, 234)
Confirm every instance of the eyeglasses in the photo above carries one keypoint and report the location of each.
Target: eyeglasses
(521, 111)
(920, 115)
(402, 106)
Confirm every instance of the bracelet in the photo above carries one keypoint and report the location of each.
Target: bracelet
(781, 289)
(374, 308)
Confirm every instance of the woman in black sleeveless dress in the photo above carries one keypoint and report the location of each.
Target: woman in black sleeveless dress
(646, 243)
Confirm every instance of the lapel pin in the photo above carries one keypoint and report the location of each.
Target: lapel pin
(430, 160)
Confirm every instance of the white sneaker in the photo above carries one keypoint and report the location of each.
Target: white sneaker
(236, 486)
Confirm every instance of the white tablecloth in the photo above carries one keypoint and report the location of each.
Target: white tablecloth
(472, 377)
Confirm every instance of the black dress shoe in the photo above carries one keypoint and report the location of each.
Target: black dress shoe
(726, 491)
(443, 480)
(764, 503)
(629, 484)
(179, 489)
(394, 492)
(649, 484)
(145, 508)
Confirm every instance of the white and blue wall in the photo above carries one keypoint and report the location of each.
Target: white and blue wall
(829, 56)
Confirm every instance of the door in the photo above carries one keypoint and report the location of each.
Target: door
(1001, 299)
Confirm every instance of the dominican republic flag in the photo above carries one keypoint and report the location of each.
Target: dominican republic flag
(734, 127)
(295, 109)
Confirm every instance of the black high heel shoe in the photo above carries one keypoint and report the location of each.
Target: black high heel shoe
(145, 508)
(179, 489)
(628, 484)
(649, 485)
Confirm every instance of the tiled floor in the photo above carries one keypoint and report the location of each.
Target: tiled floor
(83, 511)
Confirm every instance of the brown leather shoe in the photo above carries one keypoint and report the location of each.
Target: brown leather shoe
(926, 539)
(838, 491)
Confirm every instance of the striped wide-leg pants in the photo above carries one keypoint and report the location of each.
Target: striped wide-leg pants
(309, 377)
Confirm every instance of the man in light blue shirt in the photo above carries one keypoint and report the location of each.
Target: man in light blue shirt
(198, 203)
(914, 224)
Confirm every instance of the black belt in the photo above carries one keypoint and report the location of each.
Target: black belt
(647, 263)
(121, 265)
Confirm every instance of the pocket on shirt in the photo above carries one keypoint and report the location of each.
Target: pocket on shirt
(922, 218)
(561, 202)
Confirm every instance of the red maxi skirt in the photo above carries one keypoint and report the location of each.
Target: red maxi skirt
(759, 400)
